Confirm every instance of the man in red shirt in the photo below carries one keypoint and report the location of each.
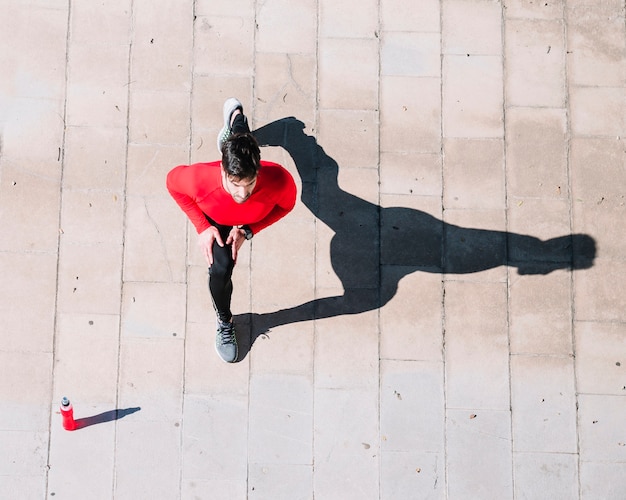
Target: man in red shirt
(228, 202)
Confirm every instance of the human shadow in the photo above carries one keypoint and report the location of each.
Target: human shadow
(107, 416)
(368, 239)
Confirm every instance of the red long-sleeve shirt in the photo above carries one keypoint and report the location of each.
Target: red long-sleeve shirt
(198, 190)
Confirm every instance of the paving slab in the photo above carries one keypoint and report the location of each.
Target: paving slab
(441, 315)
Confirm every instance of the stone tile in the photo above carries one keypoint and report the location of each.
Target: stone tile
(138, 455)
(346, 352)
(596, 43)
(595, 293)
(285, 27)
(284, 85)
(407, 474)
(80, 339)
(536, 154)
(600, 358)
(347, 242)
(207, 101)
(92, 217)
(223, 45)
(325, 276)
(539, 231)
(473, 173)
(243, 8)
(348, 73)
(598, 202)
(205, 372)
(173, 109)
(155, 243)
(24, 390)
(474, 245)
(27, 301)
(410, 54)
(103, 24)
(148, 166)
(33, 131)
(545, 475)
(602, 479)
(535, 63)
(25, 487)
(202, 488)
(199, 306)
(598, 111)
(33, 58)
(163, 40)
(540, 314)
(89, 278)
(87, 452)
(29, 320)
(153, 310)
(294, 266)
(534, 10)
(422, 16)
(406, 173)
(360, 182)
(24, 453)
(486, 435)
(483, 35)
(543, 399)
(358, 129)
(472, 96)
(281, 481)
(476, 352)
(411, 232)
(95, 158)
(410, 114)
(151, 378)
(281, 419)
(412, 406)
(346, 444)
(411, 322)
(600, 428)
(351, 19)
(293, 344)
(215, 439)
(97, 88)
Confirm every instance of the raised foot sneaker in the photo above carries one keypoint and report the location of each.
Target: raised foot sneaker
(226, 342)
(230, 106)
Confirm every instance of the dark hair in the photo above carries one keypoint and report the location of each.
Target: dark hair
(241, 157)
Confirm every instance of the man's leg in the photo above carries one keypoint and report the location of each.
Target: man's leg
(220, 279)
(240, 124)
(234, 121)
(221, 290)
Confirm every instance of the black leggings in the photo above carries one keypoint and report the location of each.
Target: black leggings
(220, 273)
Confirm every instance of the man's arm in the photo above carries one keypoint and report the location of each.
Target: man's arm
(179, 184)
(285, 192)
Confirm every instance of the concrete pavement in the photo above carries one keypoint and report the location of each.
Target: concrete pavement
(441, 316)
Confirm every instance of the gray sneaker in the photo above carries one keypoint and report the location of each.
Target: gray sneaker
(230, 106)
(226, 342)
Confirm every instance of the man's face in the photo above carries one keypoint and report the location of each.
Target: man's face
(239, 189)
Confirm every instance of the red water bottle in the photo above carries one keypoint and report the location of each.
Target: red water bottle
(67, 412)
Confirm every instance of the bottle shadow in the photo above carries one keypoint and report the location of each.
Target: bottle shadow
(107, 416)
(368, 238)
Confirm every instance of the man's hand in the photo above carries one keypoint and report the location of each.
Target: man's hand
(205, 241)
(236, 237)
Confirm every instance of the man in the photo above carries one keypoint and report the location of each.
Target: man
(228, 202)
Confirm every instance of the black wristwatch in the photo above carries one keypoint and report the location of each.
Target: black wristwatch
(248, 231)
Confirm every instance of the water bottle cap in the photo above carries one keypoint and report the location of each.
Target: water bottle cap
(65, 401)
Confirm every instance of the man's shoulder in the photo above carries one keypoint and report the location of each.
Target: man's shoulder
(273, 171)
